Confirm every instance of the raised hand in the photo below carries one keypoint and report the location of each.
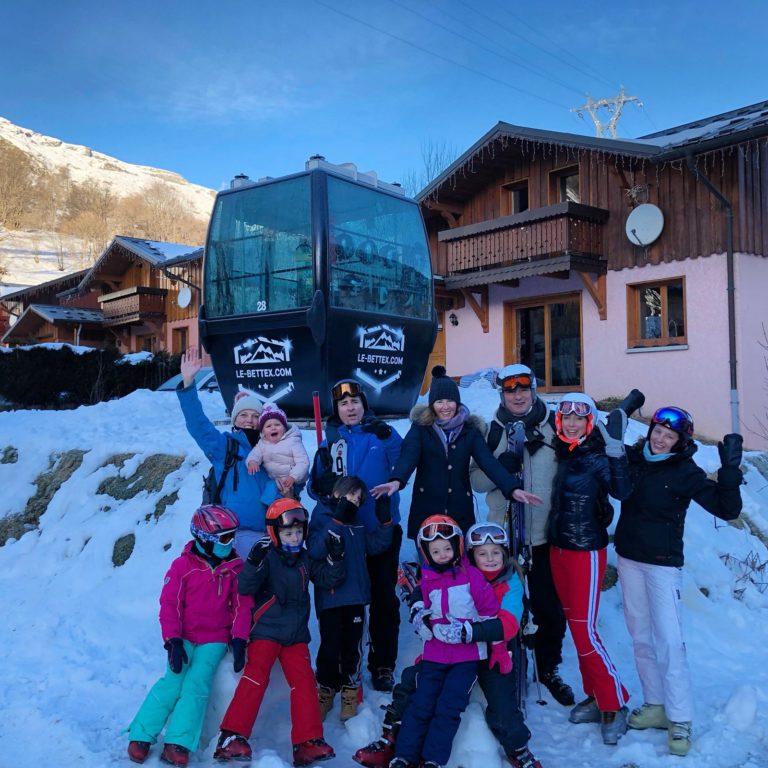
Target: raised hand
(730, 451)
(191, 363)
(259, 551)
(393, 486)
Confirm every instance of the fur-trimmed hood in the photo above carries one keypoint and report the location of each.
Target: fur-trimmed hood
(423, 416)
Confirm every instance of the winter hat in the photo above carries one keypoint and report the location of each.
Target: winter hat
(272, 412)
(442, 387)
(245, 400)
(510, 372)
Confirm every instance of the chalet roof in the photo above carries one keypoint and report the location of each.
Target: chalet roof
(56, 285)
(55, 314)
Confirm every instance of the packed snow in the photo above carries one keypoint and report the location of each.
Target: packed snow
(82, 641)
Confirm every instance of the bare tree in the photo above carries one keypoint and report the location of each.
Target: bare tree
(436, 156)
(61, 254)
(16, 185)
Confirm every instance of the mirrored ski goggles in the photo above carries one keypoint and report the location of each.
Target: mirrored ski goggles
(515, 381)
(346, 389)
(674, 418)
(439, 531)
(565, 407)
(225, 537)
(487, 534)
(291, 517)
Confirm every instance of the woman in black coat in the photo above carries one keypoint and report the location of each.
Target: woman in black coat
(649, 543)
(442, 440)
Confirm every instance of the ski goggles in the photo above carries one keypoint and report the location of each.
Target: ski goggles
(439, 531)
(515, 381)
(224, 537)
(346, 389)
(487, 534)
(674, 418)
(291, 517)
(564, 407)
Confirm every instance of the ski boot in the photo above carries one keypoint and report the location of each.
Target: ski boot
(232, 746)
(679, 738)
(400, 762)
(561, 692)
(613, 725)
(175, 754)
(522, 758)
(430, 764)
(648, 716)
(138, 750)
(377, 754)
(585, 712)
(349, 701)
(311, 751)
(383, 680)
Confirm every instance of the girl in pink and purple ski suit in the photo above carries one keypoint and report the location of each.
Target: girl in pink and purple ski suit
(201, 613)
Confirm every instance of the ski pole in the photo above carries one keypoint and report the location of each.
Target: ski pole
(318, 419)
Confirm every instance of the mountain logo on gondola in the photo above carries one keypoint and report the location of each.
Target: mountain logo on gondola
(382, 337)
(263, 350)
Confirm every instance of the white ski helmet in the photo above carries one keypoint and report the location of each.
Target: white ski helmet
(510, 374)
(580, 404)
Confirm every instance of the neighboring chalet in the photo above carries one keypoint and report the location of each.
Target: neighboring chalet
(529, 230)
(129, 299)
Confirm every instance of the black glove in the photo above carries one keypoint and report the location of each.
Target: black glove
(177, 656)
(380, 428)
(238, 653)
(323, 477)
(259, 551)
(346, 511)
(510, 462)
(324, 459)
(383, 509)
(634, 400)
(335, 546)
(730, 451)
(616, 424)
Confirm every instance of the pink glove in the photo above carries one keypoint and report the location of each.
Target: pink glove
(500, 657)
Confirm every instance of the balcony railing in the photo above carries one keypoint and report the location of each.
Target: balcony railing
(133, 305)
(563, 228)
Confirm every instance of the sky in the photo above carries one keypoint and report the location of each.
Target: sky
(210, 90)
(82, 646)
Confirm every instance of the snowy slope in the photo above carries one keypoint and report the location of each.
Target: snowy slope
(82, 645)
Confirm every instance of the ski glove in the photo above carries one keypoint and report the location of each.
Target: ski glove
(616, 424)
(383, 509)
(177, 656)
(345, 511)
(510, 462)
(614, 446)
(380, 428)
(335, 546)
(420, 618)
(259, 551)
(238, 653)
(453, 633)
(730, 451)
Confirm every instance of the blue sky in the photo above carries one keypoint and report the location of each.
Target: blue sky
(214, 89)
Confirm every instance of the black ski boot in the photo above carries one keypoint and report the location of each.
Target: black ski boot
(561, 692)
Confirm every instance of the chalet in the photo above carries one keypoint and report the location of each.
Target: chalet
(608, 264)
(130, 299)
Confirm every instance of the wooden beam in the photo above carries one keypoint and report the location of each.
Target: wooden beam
(596, 290)
(480, 309)
(456, 210)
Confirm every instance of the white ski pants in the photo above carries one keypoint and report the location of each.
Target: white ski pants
(651, 595)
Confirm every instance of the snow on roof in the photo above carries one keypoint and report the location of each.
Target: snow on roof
(52, 313)
(157, 251)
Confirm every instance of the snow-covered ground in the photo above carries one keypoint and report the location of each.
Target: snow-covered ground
(82, 645)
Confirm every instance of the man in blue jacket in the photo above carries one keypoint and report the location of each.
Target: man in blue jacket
(357, 443)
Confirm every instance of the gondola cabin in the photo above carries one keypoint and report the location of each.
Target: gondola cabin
(316, 277)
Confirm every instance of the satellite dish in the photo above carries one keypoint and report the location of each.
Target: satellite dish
(184, 298)
(644, 224)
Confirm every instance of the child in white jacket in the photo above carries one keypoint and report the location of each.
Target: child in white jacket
(280, 450)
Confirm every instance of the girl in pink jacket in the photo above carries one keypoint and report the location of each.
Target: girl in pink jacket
(200, 613)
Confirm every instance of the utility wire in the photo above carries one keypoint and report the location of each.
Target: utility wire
(446, 59)
(513, 59)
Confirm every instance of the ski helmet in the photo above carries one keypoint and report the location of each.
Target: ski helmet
(487, 533)
(347, 388)
(676, 419)
(285, 513)
(580, 404)
(211, 523)
(516, 375)
(440, 527)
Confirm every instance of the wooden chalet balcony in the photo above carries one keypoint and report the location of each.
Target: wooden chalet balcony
(133, 305)
(560, 229)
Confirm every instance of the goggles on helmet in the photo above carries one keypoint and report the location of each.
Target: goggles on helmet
(487, 533)
(515, 381)
(291, 517)
(346, 389)
(565, 407)
(674, 418)
(223, 537)
(434, 531)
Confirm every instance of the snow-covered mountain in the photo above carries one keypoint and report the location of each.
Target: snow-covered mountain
(81, 641)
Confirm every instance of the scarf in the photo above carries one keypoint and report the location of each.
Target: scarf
(654, 457)
(448, 429)
(534, 439)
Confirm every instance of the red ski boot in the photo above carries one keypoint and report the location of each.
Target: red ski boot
(377, 754)
(311, 751)
(175, 754)
(138, 750)
(232, 746)
(522, 758)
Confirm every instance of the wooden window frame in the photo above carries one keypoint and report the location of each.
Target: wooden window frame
(634, 292)
(555, 178)
(512, 350)
(506, 196)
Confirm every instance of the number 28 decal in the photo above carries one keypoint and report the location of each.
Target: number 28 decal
(261, 306)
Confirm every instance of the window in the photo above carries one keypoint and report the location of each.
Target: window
(377, 252)
(258, 257)
(546, 335)
(564, 185)
(515, 198)
(656, 314)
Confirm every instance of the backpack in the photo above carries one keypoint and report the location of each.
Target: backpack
(212, 487)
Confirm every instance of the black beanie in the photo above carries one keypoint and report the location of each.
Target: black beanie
(442, 387)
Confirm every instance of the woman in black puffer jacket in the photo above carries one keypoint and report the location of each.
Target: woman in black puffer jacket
(442, 440)
(591, 465)
(649, 543)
